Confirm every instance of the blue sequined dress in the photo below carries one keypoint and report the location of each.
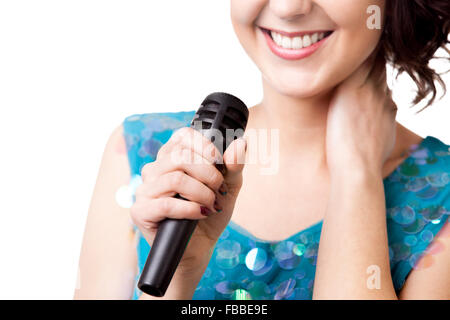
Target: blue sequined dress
(245, 267)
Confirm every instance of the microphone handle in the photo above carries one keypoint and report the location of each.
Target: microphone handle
(171, 239)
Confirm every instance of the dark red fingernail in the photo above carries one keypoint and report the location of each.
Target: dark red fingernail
(205, 211)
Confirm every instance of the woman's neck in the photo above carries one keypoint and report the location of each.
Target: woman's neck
(301, 124)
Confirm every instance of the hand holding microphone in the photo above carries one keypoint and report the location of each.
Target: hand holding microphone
(186, 200)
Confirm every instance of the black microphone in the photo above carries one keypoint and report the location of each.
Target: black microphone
(217, 113)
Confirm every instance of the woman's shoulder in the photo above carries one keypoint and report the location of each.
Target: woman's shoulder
(418, 205)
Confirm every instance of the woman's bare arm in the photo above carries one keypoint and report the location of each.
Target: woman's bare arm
(108, 255)
(353, 239)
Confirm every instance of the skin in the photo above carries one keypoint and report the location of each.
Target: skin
(326, 149)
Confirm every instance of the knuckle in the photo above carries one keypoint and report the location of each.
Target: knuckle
(186, 156)
(164, 205)
(181, 134)
(176, 178)
(216, 179)
(176, 155)
(162, 151)
(165, 149)
(147, 169)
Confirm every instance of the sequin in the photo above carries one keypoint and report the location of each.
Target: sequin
(311, 251)
(153, 124)
(414, 227)
(208, 272)
(410, 240)
(204, 293)
(256, 259)
(427, 193)
(416, 184)
(285, 289)
(299, 249)
(228, 254)
(227, 287)
(306, 237)
(147, 133)
(224, 234)
(220, 275)
(420, 153)
(409, 170)
(426, 236)
(151, 147)
(439, 179)
(404, 216)
(401, 251)
(267, 268)
(300, 274)
(124, 196)
(285, 255)
(241, 294)
(433, 213)
(131, 140)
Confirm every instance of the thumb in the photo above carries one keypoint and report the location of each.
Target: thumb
(234, 161)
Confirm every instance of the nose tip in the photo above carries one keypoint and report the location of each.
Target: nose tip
(290, 9)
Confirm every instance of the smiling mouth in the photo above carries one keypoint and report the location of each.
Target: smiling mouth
(297, 40)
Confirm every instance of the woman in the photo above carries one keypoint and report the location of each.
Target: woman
(375, 194)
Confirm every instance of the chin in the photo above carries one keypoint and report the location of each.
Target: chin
(299, 87)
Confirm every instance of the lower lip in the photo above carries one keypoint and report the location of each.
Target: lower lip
(292, 54)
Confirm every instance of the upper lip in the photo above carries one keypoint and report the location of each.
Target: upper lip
(293, 34)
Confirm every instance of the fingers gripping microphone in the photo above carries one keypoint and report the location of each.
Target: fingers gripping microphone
(217, 113)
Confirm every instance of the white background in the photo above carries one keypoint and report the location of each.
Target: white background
(70, 71)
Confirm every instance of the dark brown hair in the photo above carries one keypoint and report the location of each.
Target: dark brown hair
(414, 30)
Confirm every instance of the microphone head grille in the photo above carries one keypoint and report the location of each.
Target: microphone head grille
(221, 111)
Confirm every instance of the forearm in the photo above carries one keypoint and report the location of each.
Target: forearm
(354, 237)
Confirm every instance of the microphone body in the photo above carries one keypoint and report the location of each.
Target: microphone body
(218, 113)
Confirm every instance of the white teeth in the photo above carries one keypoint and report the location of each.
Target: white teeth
(286, 43)
(306, 41)
(276, 37)
(296, 42)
